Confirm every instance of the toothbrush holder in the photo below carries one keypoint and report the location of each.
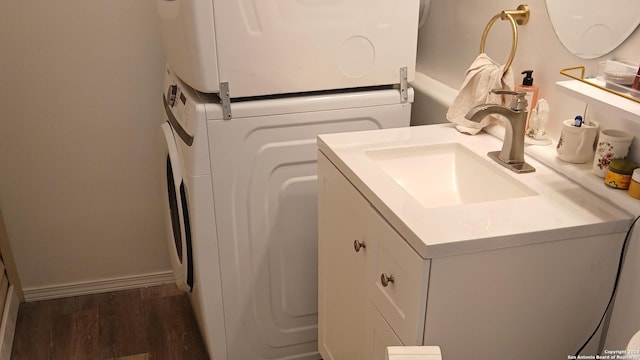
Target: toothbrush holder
(576, 143)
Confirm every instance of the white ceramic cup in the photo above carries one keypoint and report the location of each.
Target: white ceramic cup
(576, 143)
(612, 144)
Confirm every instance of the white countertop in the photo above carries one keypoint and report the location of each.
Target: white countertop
(561, 210)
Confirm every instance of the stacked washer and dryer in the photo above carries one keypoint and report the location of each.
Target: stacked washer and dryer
(249, 85)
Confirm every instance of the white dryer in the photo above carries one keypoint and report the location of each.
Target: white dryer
(265, 47)
(250, 193)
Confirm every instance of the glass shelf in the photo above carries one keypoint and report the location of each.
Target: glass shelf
(618, 69)
(583, 91)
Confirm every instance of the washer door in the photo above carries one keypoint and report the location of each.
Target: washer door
(177, 214)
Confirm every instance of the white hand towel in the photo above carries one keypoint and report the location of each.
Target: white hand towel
(483, 75)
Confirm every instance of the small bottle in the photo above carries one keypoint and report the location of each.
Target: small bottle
(634, 185)
(531, 92)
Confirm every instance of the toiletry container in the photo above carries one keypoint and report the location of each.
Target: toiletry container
(619, 173)
(634, 192)
(612, 144)
(576, 142)
(622, 76)
(531, 91)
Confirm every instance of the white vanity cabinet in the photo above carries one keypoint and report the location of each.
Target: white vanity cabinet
(372, 285)
(525, 296)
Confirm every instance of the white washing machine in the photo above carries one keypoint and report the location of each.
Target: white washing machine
(247, 201)
(189, 209)
(266, 47)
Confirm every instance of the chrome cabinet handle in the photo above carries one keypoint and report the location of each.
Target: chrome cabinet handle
(386, 279)
(357, 245)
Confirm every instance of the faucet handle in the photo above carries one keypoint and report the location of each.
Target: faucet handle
(508, 92)
(519, 101)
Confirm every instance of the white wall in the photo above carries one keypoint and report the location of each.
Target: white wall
(450, 41)
(80, 89)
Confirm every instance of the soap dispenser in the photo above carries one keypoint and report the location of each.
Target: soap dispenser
(531, 91)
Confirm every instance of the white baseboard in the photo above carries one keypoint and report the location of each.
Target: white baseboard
(97, 286)
(8, 325)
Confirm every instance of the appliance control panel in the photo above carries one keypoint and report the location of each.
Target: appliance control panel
(179, 102)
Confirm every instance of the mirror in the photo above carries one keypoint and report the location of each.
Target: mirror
(593, 28)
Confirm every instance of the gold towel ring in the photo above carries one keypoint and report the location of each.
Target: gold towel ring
(519, 16)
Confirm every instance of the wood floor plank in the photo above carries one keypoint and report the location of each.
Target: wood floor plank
(173, 332)
(130, 337)
(135, 357)
(106, 342)
(33, 334)
(160, 291)
(84, 340)
(154, 323)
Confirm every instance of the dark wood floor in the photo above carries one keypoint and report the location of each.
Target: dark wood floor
(150, 323)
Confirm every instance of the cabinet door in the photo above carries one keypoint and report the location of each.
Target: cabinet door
(397, 280)
(341, 289)
(379, 335)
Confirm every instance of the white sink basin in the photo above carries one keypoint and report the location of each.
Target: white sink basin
(446, 174)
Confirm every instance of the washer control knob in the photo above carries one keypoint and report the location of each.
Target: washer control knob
(172, 92)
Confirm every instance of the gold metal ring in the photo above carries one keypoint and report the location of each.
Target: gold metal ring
(514, 29)
(520, 16)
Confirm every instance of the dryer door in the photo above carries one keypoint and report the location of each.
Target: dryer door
(177, 214)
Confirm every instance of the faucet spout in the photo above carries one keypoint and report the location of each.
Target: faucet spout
(513, 145)
(512, 153)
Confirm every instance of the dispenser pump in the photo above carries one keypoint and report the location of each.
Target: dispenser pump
(530, 90)
(528, 79)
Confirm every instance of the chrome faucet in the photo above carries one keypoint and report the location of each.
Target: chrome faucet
(512, 153)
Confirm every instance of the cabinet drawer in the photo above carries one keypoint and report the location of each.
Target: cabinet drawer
(397, 279)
